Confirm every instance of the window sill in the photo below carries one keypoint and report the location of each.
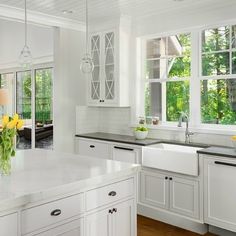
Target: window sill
(200, 129)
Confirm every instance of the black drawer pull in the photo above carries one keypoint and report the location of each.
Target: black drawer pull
(112, 194)
(225, 163)
(92, 146)
(56, 212)
(123, 148)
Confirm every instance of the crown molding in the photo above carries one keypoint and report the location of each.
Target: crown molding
(17, 14)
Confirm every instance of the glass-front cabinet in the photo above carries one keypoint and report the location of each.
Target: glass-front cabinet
(110, 72)
(102, 82)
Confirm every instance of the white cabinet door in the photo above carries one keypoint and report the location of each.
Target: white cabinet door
(102, 83)
(92, 148)
(125, 154)
(220, 193)
(184, 196)
(95, 83)
(154, 189)
(124, 223)
(98, 223)
(73, 228)
(8, 225)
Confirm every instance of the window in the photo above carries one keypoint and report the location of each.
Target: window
(167, 73)
(218, 81)
(6, 82)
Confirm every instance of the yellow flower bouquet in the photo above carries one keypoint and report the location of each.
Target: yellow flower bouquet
(233, 138)
(10, 125)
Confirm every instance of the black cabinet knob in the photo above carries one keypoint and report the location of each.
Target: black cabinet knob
(170, 178)
(114, 209)
(56, 212)
(92, 146)
(110, 211)
(166, 177)
(112, 193)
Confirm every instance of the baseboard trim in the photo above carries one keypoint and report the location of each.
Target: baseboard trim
(172, 219)
(220, 232)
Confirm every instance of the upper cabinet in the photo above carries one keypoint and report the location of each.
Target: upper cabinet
(108, 84)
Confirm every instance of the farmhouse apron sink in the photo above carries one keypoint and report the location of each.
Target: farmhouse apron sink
(172, 157)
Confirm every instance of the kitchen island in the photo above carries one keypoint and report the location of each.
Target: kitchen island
(50, 193)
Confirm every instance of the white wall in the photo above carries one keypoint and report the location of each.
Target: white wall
(69, 86)
(40, 40)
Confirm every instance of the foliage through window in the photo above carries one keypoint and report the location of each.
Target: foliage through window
(167, 73)
(218, 84)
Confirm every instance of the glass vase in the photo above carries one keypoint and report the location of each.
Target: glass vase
(5, 161)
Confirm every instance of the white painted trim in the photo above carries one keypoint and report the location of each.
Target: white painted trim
(172, 218)
(36, 62)
(17, 14)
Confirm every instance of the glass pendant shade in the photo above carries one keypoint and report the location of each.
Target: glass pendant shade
(87, 64)
(25, 58)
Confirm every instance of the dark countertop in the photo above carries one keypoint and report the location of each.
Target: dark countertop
(131, 139)
(119, 138)
(219, 151)
(206, 149)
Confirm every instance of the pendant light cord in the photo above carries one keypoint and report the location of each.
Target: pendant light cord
(25, 23)
(86, 26)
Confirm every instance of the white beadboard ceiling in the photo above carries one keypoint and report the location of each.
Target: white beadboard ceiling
(106, 9)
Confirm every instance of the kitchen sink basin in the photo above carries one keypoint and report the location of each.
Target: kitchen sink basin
(172, 157)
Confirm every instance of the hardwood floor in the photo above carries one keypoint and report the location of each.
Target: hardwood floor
(149, 227)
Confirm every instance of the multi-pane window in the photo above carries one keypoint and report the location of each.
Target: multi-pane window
(6, 82)
(43, 96)
(218, 81)
(167, 72)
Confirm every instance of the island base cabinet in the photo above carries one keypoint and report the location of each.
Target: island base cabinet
(73, 228)
(220, 193)
(117, 220)
(8, 225)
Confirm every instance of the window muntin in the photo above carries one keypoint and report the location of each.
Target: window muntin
(162, 54)
(218, 101)
(167, 73)
(218, 55)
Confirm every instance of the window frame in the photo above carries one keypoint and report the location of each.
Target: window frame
(195, 80)
(163, 81)
(33, 69)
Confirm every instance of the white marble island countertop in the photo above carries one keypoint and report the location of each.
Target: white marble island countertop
(41, 174)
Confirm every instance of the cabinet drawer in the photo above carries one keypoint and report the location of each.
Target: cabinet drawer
(44, 215)
(108, 194)
(93, 149)
(8, 225)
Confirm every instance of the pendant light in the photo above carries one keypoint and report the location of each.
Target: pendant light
(87, 65)
(25, 57)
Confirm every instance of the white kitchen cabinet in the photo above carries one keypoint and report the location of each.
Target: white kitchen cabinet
(113, 221)
(124, 219)
(184, 196)
(126, 153)
(8, 225)
(108, 84)
(73, 228)
(92, 148)
(154, 189)
(99, 223)
(220, 192)
(167, 191)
